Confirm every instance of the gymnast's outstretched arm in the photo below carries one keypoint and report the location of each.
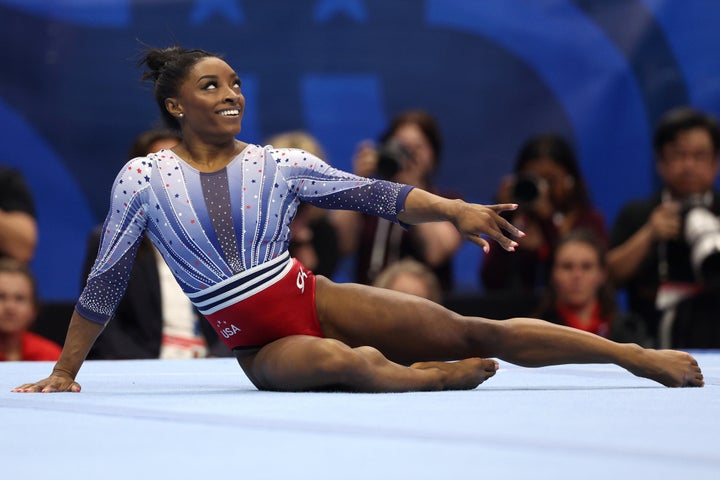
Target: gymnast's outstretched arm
(471, 220)
(81, 335)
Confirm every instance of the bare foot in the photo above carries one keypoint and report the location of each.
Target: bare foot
(464, 374)
(671, 368)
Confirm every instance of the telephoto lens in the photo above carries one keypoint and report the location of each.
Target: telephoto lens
(702, 233)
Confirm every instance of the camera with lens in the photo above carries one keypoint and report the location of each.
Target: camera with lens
(392, 157)
(528, 188)
(701, 229)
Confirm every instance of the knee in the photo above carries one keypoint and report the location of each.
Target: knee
(489, 332)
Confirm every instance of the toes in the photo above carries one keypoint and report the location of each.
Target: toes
(492, 366)
(695, 381)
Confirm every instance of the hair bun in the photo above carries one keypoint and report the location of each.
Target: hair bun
(157, 59)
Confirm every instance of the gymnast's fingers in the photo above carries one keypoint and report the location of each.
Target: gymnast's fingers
(502, 222)
(48, 385)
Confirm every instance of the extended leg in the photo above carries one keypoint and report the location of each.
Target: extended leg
(536, 343)
(302, 363)
(410, 329)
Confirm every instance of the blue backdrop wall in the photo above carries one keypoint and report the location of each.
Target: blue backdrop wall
(492, 71)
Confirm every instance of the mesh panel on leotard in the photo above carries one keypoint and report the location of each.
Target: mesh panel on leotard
(217, 200)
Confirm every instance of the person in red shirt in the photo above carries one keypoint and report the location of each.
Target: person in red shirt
(18, 310)
(580, 295)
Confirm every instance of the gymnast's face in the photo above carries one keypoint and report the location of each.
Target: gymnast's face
(577, 274)
(17, 306)
(210, 104)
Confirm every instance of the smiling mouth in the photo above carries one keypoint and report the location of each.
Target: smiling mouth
(233, 112)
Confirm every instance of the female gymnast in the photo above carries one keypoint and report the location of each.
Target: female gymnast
(219, 209)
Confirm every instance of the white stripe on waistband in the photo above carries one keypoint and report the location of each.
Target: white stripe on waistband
(244, 290)
(201, 296)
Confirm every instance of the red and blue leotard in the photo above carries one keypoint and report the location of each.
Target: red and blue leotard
(225, 234)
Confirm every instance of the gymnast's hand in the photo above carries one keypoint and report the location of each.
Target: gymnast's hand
(56, 382)
(473, 221)
(80, 337)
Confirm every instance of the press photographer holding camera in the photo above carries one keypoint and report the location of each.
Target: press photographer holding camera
(553, 200)
(665, 249)
(407, 152)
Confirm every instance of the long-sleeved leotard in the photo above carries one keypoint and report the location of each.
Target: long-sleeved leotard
(225, 233)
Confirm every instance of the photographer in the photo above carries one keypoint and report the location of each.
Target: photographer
(407, 152)
(553, 200)
(651, 251)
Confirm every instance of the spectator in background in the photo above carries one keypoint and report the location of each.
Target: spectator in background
(18, 228)
(313, 239)
(553, 199)
(410, 276)
(18, 311)
(408, 152)
(651, 255)
(155, 319)
(580, 295)
(153, 140)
